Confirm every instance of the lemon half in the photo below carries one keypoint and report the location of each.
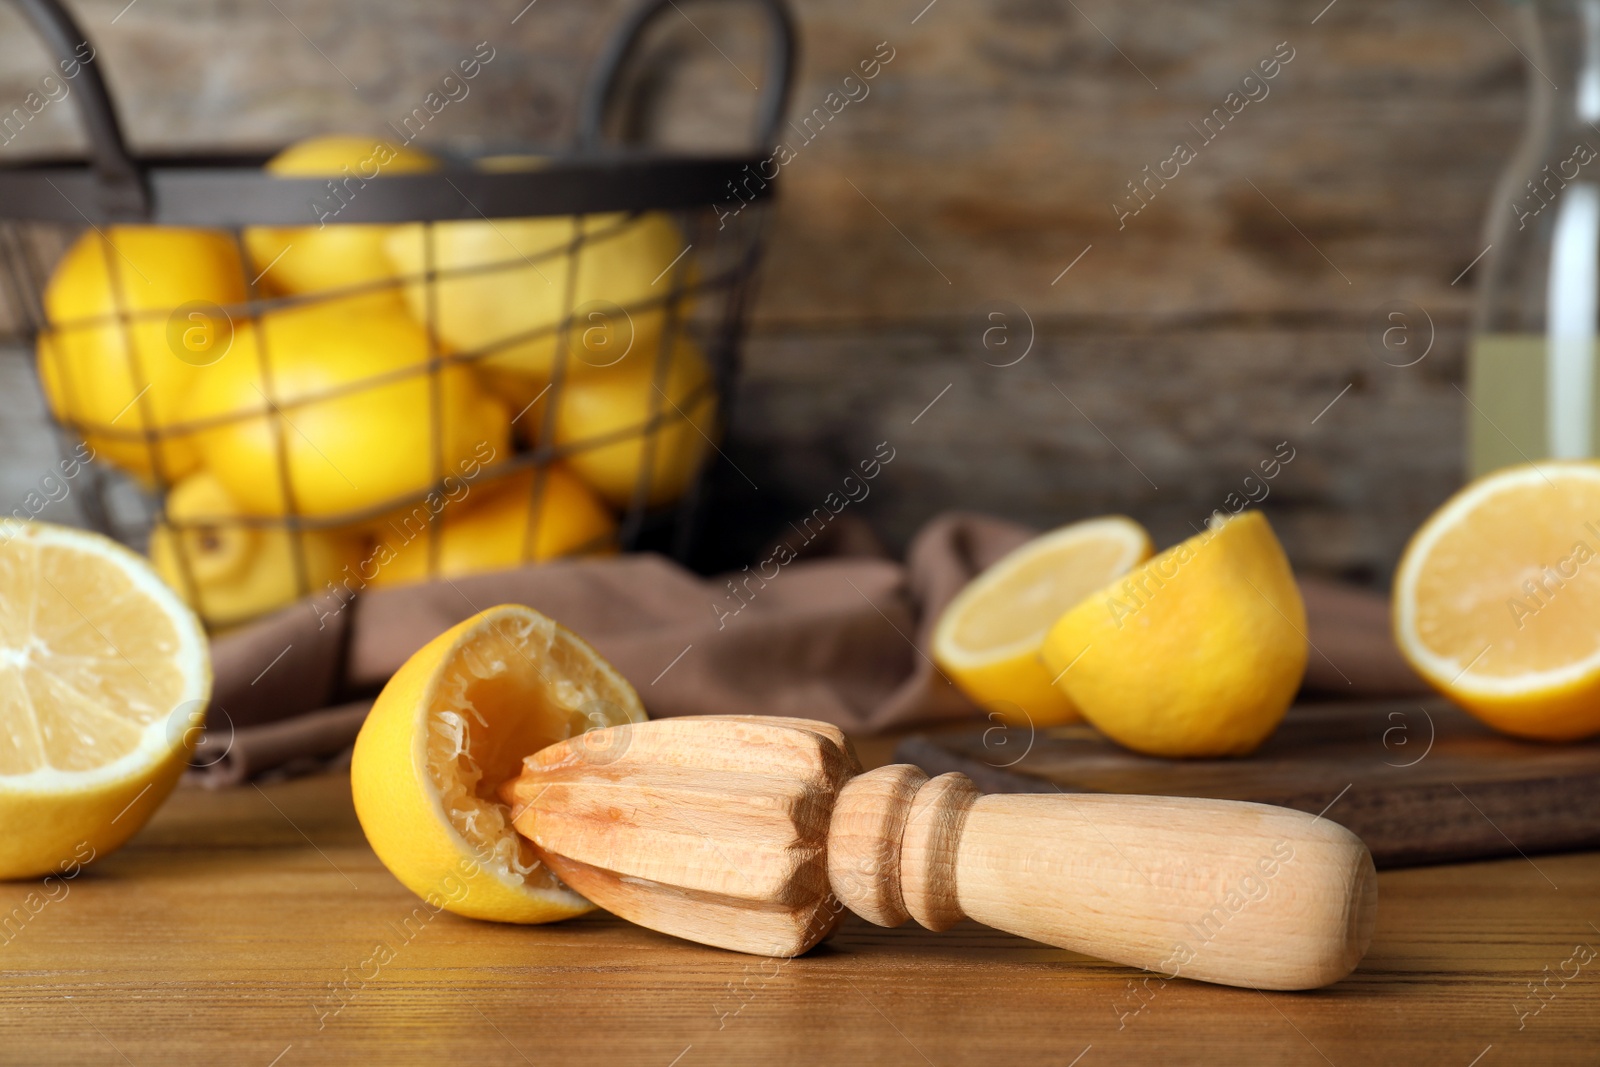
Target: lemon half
(1198, 652)
(1496, 598)
(104, 677)
(453, 724)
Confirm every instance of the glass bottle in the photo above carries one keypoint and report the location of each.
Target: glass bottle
(1532, 384)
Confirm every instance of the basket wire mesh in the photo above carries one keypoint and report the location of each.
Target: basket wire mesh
(691, 313)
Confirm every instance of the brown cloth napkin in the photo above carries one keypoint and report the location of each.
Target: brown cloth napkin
(839, 637)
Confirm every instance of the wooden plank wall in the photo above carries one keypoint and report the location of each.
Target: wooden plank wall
(1184, 344)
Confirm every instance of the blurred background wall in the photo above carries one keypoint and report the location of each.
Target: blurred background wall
(974, 206)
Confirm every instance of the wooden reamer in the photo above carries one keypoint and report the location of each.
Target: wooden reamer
(755, 834)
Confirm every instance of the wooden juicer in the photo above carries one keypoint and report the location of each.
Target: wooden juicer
(754, 834)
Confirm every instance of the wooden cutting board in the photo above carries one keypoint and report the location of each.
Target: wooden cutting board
(1419, 782)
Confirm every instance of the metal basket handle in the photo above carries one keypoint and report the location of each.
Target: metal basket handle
(600, 94)
(122, 188)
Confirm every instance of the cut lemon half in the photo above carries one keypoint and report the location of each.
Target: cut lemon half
(453, 724)
(104, 677)
(1497, 600)
(987, 640)
(1196, 653)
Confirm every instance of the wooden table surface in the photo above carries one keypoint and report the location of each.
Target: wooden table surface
(221, 933)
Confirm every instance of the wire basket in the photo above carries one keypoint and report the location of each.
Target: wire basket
(468, 365)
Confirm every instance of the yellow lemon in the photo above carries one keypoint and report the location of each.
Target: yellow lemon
(487, 529)
(987, 639)
(455, 722)
(104, 677)
(1496, 597)
(507, 292)
(230, 571)
(351, 411)
(117, 376)
(614, 423)
(331, 254)
(1198, 652)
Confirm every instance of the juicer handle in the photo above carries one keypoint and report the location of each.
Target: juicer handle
(1241, 894)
